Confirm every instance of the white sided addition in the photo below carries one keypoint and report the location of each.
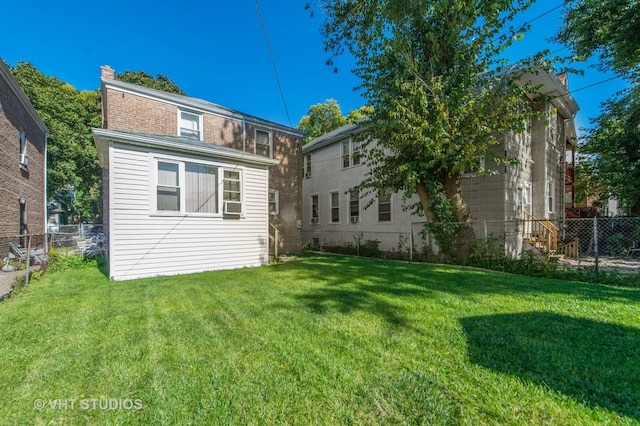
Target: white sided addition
(177, 205)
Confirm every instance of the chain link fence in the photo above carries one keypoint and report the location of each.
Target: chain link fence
(86, 238)
(611, 243)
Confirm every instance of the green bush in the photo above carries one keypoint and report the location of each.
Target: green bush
(58, 262)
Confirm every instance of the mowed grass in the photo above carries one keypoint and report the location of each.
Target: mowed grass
(323, 340)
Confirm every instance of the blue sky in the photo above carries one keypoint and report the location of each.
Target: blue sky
(216, 50)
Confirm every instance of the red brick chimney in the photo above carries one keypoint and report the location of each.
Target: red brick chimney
(107, 72)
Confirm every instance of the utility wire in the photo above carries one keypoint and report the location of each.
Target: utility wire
(273, 63)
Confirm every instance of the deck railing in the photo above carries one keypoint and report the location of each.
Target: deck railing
(540, 232)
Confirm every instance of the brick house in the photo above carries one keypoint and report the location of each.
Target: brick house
(23, 167)
(196, 131)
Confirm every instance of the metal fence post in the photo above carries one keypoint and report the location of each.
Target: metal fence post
(595, 241)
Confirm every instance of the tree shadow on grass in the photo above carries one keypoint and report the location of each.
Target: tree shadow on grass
(594, 362)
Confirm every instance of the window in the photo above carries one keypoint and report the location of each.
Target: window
(335, 207)
(263, 143)
(200, 188)
(232, 195)
(356, 153)
(551, 196)
(306, 166)
(185, 187)
(346, 157)
(384, 206)
(354, 206)
(315, 209)
(274, 201)
(168, 190)
(351, 153)
(189, 125)
(23, 149)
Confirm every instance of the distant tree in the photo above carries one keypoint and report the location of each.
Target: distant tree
(612, 151)
(441, 94)
(608, 30)
(141, 78)
(359, 114)
(320, 119)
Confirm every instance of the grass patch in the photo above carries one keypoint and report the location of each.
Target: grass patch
(325, 340)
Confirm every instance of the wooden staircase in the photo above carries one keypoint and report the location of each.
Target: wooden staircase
(541, 234)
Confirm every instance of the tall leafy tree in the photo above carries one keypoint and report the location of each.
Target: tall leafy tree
(71, 154)
(73, 169)
(612, 147)
(441, 94)
(608, 30)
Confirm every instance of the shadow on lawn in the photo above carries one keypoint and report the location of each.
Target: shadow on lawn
(594, 362)
(463, 282)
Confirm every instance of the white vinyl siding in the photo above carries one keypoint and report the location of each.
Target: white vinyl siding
(142, 244)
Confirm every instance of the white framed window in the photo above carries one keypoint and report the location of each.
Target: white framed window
(334, 198)
(384, 206)
(551, 196)
(351, 153)
(356, 153)
(263, 143)
(346, 153)
(168, 187)
(315, 209)
(185, 187)
(232, 192)
(23, 149)
(190, 125)
(201, 185)
(354, 206)
(274, 201)
(306, 166)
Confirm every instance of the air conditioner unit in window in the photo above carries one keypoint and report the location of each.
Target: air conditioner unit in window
(354, 219)
(24, 159)
(232, 207)
(307, 175)
(314, 220)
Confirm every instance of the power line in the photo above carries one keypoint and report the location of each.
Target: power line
(273, 63)
(543, 14)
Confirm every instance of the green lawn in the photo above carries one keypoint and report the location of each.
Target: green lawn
(324, 340)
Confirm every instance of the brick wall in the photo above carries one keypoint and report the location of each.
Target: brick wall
(131, 112)
(17, 182)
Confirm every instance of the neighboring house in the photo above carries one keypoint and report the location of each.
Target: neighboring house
(532, 190)
(23, 167)
(192, 186)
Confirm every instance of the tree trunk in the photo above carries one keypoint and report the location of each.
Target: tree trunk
(465, 238)
(423, 195)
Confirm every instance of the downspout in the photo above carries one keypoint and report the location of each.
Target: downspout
(244, 135)
(46, 212)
